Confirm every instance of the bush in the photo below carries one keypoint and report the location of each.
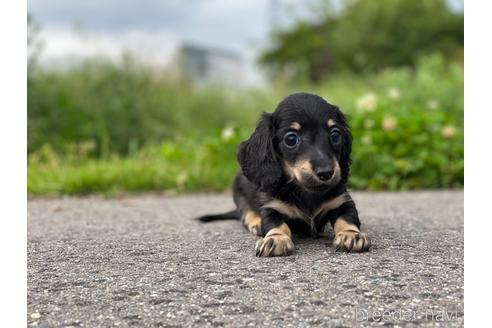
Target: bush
(191, 165)
(365, 36)
(122, 108)
(407, 126)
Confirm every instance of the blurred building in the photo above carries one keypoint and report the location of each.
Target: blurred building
(207, 65)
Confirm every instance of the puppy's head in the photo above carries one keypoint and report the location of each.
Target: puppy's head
(305, 141)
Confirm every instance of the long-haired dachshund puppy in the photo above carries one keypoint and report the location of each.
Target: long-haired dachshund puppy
(294, 171)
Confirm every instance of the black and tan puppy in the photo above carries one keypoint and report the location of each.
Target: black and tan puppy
(294, 171)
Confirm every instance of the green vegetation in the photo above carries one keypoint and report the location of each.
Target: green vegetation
(122, 108)
(365, 36)
(108, 129)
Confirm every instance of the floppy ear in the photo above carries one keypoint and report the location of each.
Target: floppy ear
(345, 159)
(257, 156)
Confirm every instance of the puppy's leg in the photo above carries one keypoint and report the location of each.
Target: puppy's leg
(349, 238)
(346, 225)
(252, 221)
(277, 239)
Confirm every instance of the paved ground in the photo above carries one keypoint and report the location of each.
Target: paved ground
(143, 262)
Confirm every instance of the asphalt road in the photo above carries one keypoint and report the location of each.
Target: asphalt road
(143, 262)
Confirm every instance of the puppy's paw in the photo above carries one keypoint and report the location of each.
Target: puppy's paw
(252, 222)
(255, 229)
(274, 245)
(351, 241)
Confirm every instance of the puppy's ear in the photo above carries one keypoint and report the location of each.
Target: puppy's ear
(257, 156)
(345, 159)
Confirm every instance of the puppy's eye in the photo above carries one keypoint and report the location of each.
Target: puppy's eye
(291, 139)
(335, 136)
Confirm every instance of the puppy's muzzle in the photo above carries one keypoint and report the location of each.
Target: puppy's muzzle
(324, 173)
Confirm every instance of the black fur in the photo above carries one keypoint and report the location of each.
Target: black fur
(231, 215)
(267, 164)
(258, 152)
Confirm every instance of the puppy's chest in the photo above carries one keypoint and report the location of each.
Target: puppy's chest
(309, 219)
(308, 210)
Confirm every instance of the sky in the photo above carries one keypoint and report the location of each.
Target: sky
(154, 29)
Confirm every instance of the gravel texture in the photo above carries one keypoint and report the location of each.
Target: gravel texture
(142, 261)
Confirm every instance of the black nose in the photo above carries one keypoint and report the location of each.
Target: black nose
(324, 173)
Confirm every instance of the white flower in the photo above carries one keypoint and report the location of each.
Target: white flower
(394, 93)
(227, 133)
(367, 103)
(432, 104)
(366, 140)
(448, 132)
(389, 123)
(368, 123)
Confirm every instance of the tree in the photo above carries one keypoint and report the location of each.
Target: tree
(366, 35)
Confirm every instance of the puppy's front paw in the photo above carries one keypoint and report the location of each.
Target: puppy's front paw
(274, 245)
(351, 241)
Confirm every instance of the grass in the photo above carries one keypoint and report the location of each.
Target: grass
(108, 129)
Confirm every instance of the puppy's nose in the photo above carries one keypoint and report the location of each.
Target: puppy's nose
(324, 173)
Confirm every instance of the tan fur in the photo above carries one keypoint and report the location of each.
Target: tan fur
(277, 242)
(286, 209)
(252, 222)
(296, 126)
(294, 212)
(283, 229)
(331, 123)
(303, 168)
(333, 203)
(342, 225)
(300, 168)
(289, 170)
(349, 238)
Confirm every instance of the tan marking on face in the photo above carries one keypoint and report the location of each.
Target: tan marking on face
(331, 122)
(342, 225)
(286, 209)
(296, 126)
(300, 168)
(252, 222)
(338, 171)
(289, 171)
(333, 203)
(304, 166)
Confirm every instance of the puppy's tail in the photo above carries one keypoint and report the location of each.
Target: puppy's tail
(231, 215)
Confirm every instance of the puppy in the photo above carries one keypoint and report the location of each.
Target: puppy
(294, 171)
